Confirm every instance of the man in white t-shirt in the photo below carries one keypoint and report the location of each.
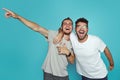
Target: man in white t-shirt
(87, 49)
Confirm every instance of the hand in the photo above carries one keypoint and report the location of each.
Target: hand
(10, 14)
(63, 50)
(111, 67)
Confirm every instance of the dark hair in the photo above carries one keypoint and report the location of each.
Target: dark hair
(81, 20)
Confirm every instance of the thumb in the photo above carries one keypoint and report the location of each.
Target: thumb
(64, 45)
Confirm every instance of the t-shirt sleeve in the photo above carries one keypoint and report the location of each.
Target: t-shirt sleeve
(101, 45)
(51, 35)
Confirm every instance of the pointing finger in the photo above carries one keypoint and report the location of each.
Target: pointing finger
(6, 10)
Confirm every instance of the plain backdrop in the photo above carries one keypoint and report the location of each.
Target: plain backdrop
(22, 51)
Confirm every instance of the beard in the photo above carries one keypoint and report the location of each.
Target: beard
(82, 37)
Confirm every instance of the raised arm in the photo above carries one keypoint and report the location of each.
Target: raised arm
(109, 57)
(59, 36)
(28, 23)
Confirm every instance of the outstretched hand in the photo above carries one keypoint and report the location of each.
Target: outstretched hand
(9, 13)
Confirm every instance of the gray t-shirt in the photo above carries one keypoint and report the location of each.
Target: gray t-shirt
(56, 63)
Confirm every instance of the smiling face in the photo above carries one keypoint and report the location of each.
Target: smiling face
(81, 30)
(67, 27)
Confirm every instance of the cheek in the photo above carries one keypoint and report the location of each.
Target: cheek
(86, 30)
(76, 29)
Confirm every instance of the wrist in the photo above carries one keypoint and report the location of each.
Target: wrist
(111, 64)
(68, 55)
(18, 17)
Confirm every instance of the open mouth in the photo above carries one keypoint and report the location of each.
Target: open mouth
(81, 33)
(67, 29)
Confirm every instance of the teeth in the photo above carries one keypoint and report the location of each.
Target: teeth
(67, 29)
(81, 32)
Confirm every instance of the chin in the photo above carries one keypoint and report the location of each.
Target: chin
(67, 33)
(81, 37)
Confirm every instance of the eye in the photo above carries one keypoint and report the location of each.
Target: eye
(77, 25)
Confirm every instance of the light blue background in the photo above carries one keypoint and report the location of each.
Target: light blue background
(22, 51)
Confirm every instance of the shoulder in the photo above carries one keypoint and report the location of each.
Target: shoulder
(52, 34)
(72, 35)
(93, 37)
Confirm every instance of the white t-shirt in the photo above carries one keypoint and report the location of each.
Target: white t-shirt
(88, 60)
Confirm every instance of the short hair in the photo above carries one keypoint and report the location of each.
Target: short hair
(81, 20)
(68, 18)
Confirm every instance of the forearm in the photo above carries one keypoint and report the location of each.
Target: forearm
(59, 37)
(33, 26)
(28, 23)
(71, 58)
(109, 56)
(65, 51)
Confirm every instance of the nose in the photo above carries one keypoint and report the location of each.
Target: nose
(68, 24)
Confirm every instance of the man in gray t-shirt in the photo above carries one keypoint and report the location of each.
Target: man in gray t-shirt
(56, 61)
